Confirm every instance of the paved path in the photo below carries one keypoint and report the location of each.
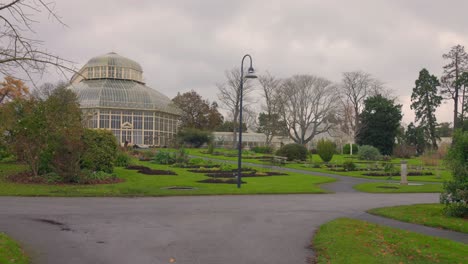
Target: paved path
(200, 230)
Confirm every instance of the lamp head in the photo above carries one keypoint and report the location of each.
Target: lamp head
(251, 73)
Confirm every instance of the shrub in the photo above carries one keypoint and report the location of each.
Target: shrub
(455, 195)
(194, 137)
(404, 151)
(210, 148)
(90, 177)
(293, 152)
(181, 156)
(326, 149)
(100, 150)
(122, 159)
(367, 152)
(347, 149)
(349, 165)
(263, 150)
(164, 157)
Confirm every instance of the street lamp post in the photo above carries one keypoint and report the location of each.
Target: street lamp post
(250, 75)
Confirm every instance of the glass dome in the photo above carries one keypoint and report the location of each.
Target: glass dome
(113, 96)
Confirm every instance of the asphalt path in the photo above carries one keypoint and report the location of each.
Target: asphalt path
(201, 230)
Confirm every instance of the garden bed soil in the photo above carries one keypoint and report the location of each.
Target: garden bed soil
(229, 181)
(28, 178)
(197, 166)
(387, 174)
(232, 174)
(214, 171)
(148, 171)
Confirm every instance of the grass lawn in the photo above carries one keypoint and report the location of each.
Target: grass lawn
(350, 241)
(441, 176)
(424, 214)
(376, 187)
(11, 252)
(137, 184)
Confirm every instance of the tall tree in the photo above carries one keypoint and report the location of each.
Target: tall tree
(269, 122)
(355, 87)
(19, 50)
(197, 112)
(458, 63)
(229, 95)
(11, 89)
(462, 82)
(380, 122)
(307, 106)
(424, 101)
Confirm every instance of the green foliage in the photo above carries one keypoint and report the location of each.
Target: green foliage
(424, 101)
(455, 196)
(226, 167)
(181, 156)
(228, 126)
(347, 149)
(263, 150)
(367, 152)
(164, 157)
(293, 152)
(122, 159)
(414, 136)
(326, 149)
(194, 137)
(380, 122)
(90, 177)
(100, 150)
(210, 147)
(349, 165)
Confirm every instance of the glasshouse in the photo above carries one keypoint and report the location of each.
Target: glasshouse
(113, 96)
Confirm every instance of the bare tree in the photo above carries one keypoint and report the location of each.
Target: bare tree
(450, 78)
(268, 122)
(307, 106)
(229, 96)
(356, 86)
(19, 52)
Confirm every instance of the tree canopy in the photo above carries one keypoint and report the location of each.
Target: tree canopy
(197, 112)
(379, 123)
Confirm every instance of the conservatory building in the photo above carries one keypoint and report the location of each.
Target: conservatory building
(113, 96)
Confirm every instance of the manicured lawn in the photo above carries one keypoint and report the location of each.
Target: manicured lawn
(137, 184)
(424, 214)
(376, 187)
(11, 252)
(350, 241)
(440, 174)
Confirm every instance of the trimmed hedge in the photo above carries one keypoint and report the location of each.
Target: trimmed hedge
(293, 152)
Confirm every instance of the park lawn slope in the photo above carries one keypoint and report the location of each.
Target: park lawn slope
(424, 214)
(11, 252)
(351, 241)
(382, 187)
(137, 184)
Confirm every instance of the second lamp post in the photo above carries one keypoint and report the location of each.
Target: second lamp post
(250, 75)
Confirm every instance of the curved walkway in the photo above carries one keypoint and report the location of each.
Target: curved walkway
(197, 230)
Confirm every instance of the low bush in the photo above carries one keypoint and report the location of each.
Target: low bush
(326, 149)
(455, 195)
(367, 152)
(164, 157)
(194, 137)
(347, 149)
(293, 152)
(263, 150)
(91, 177)
(122, 159)
(100, 150)
(349, 165)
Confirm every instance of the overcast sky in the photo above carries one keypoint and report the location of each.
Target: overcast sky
(184, 44)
